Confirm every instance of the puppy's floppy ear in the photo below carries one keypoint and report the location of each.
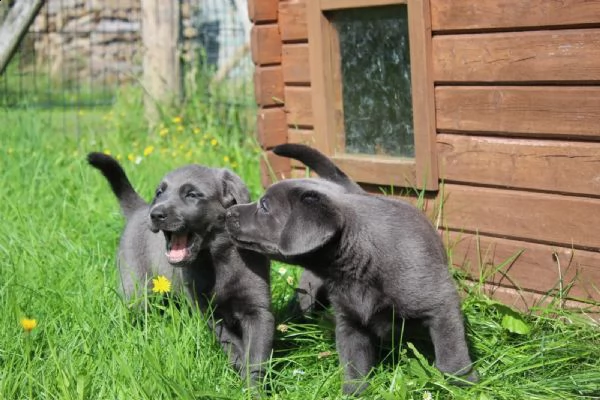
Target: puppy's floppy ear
(313, 222)
(234, 190)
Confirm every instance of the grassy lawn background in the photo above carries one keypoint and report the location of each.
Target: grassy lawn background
(58, 237)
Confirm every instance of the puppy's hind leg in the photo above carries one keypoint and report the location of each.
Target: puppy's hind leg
(231, 342)
(356, 349)
(257, 332)
(451, 352)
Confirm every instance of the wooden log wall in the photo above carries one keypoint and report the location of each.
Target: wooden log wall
(518, 122)
(271, 125)
(517, 103)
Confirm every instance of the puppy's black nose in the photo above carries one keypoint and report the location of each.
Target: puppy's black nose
(158, 214)
(230, 214)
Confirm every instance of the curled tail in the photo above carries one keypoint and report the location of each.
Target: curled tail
(319, 163)
(129, 199)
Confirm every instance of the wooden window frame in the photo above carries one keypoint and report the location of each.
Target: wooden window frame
(421, 171)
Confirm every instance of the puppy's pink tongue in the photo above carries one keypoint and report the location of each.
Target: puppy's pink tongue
(178, 248)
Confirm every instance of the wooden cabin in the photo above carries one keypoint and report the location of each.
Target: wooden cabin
(490, 107)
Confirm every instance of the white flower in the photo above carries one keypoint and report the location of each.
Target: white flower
(298, 372)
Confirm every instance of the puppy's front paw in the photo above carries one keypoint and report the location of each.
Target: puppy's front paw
(354, 388)
(465, 380)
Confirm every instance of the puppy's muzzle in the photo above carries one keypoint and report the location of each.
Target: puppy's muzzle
(158, 214)
(232, 220)
(163, 218)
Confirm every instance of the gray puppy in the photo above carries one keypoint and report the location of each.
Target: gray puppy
(380, 259)
(195, 252)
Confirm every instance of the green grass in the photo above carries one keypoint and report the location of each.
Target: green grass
(59, 232)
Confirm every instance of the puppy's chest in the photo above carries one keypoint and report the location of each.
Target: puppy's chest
(364, 305)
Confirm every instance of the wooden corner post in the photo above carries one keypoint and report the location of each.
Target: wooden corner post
(161, 35)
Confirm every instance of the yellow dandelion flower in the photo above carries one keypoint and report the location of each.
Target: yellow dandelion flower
(180, 128)
(176, 120)
(196, 131)
(283, 328)
(28, 324)
(119, 157)
(214, 142)
(107, 152)
(148, 150)
(130, 157)
(226, 159)
(290, 280)
(163, 132)
(161, 284)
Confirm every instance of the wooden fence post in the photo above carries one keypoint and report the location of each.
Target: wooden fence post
(15, 26)
(161, 35)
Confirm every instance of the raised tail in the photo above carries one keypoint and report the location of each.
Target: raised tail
(319, 163)
(129, 199)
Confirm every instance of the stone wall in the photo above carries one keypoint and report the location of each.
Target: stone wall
(96, 40)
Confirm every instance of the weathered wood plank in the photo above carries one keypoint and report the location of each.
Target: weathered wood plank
(535, 111)
(268, 86)
(551, 165)
(530, 301)
(556, 219)
(507, 14)
(273, 168)
(292, 20)
(343, 4)
(423, 96)
(295, 63)
(529, 266)
(385, 171)
(261, 11)
(265, 44)
(271, 127)
(301, 173)
(541, 56)
(304, 136)
(299, 106)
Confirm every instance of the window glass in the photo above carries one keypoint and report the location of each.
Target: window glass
(375, 76)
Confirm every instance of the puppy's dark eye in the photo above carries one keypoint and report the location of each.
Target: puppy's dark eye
(194, 195)
(158, 192)
(263, 204)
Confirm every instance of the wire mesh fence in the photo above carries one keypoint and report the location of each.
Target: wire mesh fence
(79, 53)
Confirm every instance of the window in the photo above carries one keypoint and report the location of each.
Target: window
(372, 89)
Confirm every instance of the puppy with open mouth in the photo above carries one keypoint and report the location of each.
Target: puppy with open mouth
(182, 236)
(379, 260)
